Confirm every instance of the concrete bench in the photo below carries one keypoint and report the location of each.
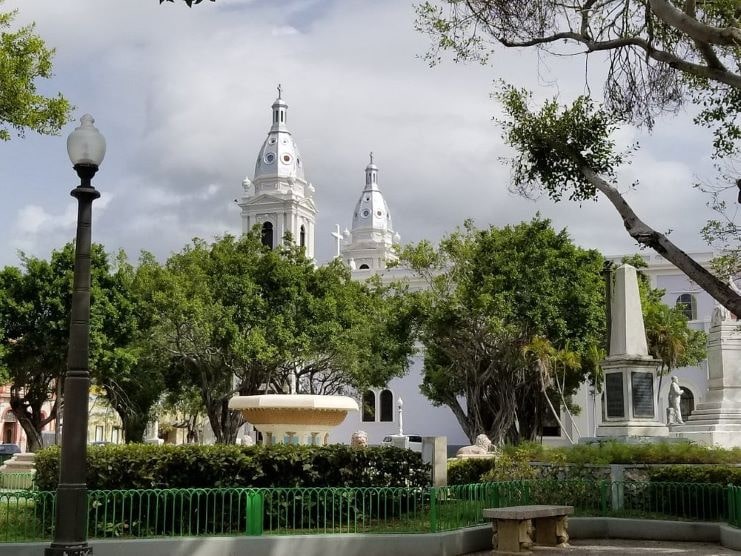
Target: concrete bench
(513, 526)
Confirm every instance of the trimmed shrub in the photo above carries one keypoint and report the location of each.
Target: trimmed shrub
(468, 471)
(717, 474)
(142, 466)
(618, 452)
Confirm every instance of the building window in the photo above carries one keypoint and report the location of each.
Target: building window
(267, 234)
(302, 237)
(688, 305)
(115, 435)
(99, 433)
(369, 406)
(387, 406)
(363, 267)
(686, 403)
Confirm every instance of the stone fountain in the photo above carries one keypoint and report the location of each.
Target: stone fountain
(294, 418)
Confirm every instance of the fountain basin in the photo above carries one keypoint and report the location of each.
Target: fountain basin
(294, 418)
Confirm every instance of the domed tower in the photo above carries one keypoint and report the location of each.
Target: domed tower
(369, 245)
(279, 198)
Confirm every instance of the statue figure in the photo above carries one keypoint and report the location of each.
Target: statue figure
(359, 439)
(479, 448)
(675, 395)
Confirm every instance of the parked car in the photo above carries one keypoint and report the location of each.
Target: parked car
(415, 442)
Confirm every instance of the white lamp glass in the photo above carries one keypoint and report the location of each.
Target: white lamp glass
(86, 145)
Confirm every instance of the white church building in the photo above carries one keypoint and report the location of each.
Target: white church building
(281, 199)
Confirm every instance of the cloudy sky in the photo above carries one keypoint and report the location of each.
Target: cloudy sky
(183, 97)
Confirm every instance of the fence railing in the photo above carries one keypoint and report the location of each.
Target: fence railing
(28, 515)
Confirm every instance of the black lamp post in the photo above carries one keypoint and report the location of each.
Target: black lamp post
(86, 149)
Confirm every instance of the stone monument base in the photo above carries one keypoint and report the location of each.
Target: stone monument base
(631, 429)
(713, 423)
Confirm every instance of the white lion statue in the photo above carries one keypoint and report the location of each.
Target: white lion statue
(480, 447)
(359, 439)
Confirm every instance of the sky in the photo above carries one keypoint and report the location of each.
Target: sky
(183, 98)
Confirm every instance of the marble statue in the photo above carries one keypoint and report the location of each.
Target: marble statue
(674, 414)
(479, 448)
(359, 439)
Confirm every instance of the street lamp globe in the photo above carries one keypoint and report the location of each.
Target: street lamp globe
(86, 145)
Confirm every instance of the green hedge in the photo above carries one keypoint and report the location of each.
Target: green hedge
(140, 466)
(468, 471)
(717, 474)
(607, 452)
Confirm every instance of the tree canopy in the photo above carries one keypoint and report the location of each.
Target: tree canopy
(491, 295)
(236, 317)
(660, 54)
(35, 305)
(24, 59)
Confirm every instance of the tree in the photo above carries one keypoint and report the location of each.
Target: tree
(25, 58)
(492, 294)
(237, 317)
(660, 55)
(35, 303)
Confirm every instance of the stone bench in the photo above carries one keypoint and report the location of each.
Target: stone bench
(512, 527)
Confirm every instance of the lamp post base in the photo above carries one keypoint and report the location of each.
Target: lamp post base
(67, 550)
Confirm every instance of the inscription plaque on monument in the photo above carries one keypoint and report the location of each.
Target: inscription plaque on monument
(614, 395)
(643, 394)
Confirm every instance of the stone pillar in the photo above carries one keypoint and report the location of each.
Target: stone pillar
(630, 372)
(717, 419)
(435, 452)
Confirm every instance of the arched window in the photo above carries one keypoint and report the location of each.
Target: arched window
(686, 403)
(302, 237)
(363, 267)
(387, 406)
(369, 406)
(267, 234)
(688, 305)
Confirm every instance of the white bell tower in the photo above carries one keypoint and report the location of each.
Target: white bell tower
(369, 245)
(279, 198)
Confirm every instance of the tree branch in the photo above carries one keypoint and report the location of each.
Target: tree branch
(728, 36)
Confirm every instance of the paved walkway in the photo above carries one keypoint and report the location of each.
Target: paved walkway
(614, 547)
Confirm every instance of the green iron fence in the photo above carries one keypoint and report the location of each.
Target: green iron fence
(27, 515)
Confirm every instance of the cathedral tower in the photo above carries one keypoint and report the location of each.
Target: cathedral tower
(279, 198)
(369, 245)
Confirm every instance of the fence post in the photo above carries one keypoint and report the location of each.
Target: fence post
(254, 513)
(732, 507)
(433, 510)
(604, 488)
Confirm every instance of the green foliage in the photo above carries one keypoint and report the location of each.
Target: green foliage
(34, 318)
(468, 471)
(490, 293)
(604, 453)
(509, 468)
(717, 474)
(143, 466)
(555, 143)
(24, 58)
(235, 308)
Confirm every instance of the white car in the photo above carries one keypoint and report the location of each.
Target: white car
(415, 442)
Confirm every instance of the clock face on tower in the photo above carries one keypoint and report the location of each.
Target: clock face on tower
(269, 158)
(365, 213)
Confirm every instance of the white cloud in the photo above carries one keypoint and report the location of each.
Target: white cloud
(183, 97)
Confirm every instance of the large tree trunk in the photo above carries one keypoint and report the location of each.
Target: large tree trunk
(645, 235)
(134, 426)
